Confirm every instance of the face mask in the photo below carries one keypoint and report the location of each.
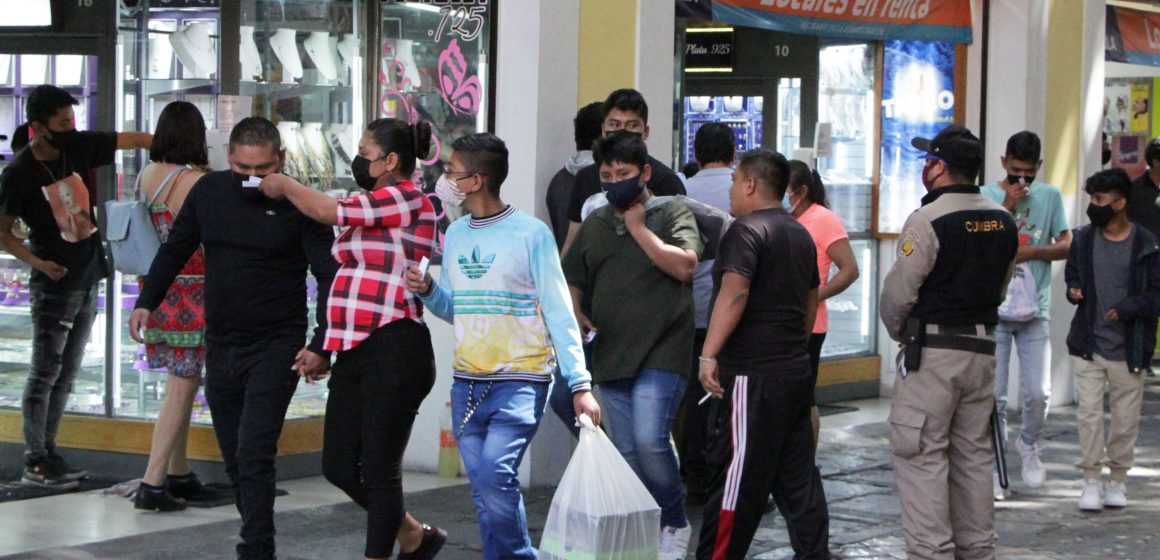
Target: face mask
(63, 139)
(927, 180)
(622, 194)
(1107, 156)
(1100, 215)
(360, 168)
(637, 134)
(1015, 179)
(447, 192)
(249, 184)
(788, 202)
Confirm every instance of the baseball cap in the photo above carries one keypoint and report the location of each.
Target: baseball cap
(955, 145)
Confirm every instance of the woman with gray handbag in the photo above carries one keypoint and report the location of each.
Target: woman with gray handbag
(175, 333)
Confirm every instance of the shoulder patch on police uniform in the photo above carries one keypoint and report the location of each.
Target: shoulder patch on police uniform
(909, 237)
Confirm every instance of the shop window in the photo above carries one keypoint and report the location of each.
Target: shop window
(18, 75)
(1128, 122)
(846, 101)
(302, 64)
(789, 115)
(435, 64)
(743, 115)
(854, 312)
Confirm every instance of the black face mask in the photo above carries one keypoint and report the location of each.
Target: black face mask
(63, 139)
(637, 134)
(360, 168)
(1100, 215)
(1106, 157)
(248, 192)
(1014, 179)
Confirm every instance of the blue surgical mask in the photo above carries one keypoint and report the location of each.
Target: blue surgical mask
(621, 194)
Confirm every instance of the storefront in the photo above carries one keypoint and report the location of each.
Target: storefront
(320, 70)
(1132, 79)
(850, 83)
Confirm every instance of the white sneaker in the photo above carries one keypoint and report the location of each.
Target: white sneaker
(1092, 497)
(674, 543)
(999, 492)
(1115, 495)
(1033, 472)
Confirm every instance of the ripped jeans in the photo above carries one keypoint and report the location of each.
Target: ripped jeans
(61, 324)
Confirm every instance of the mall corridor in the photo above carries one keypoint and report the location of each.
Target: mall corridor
(315, 522)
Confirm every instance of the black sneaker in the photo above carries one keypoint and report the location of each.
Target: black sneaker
(65, 469)
(189, 488)
(156, 498)
(42, 473)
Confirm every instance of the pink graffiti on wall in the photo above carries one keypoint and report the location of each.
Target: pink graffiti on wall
(396, 101)
(462, 92)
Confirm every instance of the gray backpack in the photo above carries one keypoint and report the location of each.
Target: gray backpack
(132, 238)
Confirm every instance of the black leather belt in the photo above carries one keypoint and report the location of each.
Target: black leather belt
(962, 330)
(959, 342)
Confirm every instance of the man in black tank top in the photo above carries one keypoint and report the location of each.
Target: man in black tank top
(941, 300)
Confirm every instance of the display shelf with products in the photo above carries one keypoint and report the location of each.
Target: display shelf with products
(853, 313)
(301, 66)
(846, 101)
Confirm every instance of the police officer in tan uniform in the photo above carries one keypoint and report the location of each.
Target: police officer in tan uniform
(940, 299)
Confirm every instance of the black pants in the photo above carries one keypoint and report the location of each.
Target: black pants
(248, 388)
(814, 347)
(375, 392)
(761, 441)
(694, 467)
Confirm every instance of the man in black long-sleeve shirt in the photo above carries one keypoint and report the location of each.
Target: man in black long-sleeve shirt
(256, 253)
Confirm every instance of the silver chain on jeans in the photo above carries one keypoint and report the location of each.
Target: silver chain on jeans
(472, 406)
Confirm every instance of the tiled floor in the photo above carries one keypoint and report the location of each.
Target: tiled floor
(94, 517)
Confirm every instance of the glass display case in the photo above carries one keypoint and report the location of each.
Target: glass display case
(19, 74)
(301, 66)
(854, 312)
(319, 69)
(846, 100)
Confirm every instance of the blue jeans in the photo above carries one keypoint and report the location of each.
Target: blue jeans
(492, 442)
(1031, 339)
(640, 413)
(561, 402)
(61, 324)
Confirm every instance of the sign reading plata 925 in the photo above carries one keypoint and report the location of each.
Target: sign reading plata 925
(709, 50)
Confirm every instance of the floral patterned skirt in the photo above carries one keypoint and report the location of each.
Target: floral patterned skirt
(175, 335)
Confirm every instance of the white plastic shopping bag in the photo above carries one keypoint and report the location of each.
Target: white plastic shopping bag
(1022, 302)
(601, 510)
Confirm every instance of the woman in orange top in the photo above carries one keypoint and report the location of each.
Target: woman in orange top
(807, 198)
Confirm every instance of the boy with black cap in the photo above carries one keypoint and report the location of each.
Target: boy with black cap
(941, 301)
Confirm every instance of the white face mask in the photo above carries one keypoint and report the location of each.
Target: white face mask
(788, 203)
(447, 192)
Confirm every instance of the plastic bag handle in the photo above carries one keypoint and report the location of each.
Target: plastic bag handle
(586, 422)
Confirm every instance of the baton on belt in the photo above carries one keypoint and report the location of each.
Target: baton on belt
(1000, 446)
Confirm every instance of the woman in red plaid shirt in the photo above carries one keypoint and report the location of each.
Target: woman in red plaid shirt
(385, 366)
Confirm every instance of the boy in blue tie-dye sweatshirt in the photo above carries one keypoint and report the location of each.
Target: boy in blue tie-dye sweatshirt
(503, 290)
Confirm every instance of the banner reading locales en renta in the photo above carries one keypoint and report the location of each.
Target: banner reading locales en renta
(1133, 36)
(923, 20)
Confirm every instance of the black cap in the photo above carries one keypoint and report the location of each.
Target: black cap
(955, 145)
